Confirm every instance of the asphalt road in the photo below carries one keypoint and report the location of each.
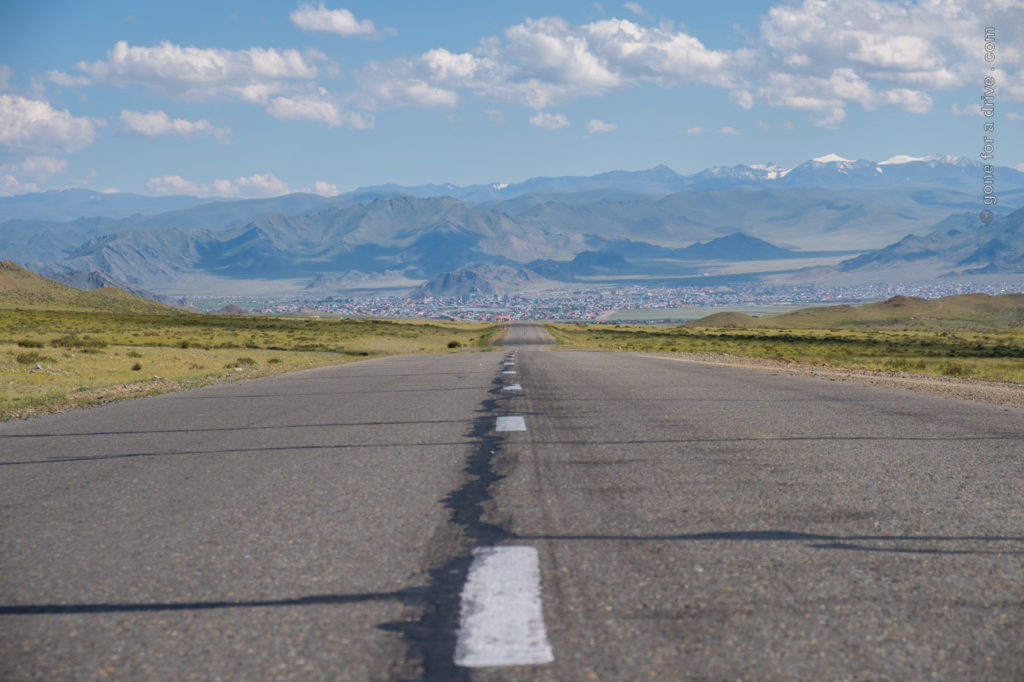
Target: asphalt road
(690, 522)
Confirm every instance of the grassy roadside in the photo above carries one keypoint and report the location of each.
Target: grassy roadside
(989, 355)
(52, 360)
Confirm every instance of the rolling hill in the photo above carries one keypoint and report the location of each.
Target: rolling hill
(899, 312)
(21, 288)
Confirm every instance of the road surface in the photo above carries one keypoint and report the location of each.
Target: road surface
(656, 519)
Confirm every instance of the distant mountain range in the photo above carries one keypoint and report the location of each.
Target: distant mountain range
(503, 236)
(993, 249)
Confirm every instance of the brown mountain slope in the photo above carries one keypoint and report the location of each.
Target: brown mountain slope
(21, 288)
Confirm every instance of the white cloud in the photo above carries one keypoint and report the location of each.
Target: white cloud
(636, 8)
(252, 75)
(26, 175)
(969, 110)
(724, 130)
(542, 62)
(304, 108)
(549, 121)
(33, 126)
(340, 21)
(40, 167)
(6, 73)
(1014, 116)
(384, 87)
(595, 125)
(1020, 167)
(259, 185)
(175, 184)
(157, 123)
(325, 189)
(10, 186)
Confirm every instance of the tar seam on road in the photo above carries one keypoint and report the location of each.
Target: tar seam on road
(432, 639)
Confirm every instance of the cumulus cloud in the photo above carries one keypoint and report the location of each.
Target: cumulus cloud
(549, 121)
(157, 123)
(595, 125)
(259, 185)
(10, 186)
(34, 126)
(175, 184)
(339, 21)
(325, 189)
(26, 175)
(821, 55)
(304, 108)
(280, 81)
(818, 56)
(252, 75)
(36, 166)
(253, 186)
(6, 73)
(543, 62)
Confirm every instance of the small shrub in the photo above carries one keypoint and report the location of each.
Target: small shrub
(137, 366)
(76, 341)
(134, 354)
(248, 362)
(273, 361)
(30, 343)
(184, 344)
(31, 358)
(454, 344)
(955, 370)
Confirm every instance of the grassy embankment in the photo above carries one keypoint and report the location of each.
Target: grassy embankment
(61, 347)
(970, 336)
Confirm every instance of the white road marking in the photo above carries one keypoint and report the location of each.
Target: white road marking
(510, 364)
(501, 621)
(510, 424)
(509, 371)
(512, 387)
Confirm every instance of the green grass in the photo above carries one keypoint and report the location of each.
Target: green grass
(992, 355)
(53, 359)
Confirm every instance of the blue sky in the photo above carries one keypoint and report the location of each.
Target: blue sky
(259, 98)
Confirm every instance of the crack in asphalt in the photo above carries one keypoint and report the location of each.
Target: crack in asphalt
(431, 640)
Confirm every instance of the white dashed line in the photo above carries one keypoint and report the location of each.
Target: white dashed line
(509, 371)
(512, 387)
(501, 621)
(510, 424)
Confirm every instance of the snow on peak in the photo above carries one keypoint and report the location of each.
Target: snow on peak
(500, 185)
(930, 159)
(901, 159)
(832, 158)
(770, 170)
